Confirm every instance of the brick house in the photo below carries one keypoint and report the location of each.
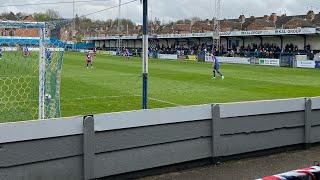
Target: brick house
(21, 32)
(176, 29)
(28, 18)
(202, 26)
(261, 24)
(230, 25)
(267, 22)
(298, 22)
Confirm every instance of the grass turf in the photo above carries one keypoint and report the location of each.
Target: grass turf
(115, 84)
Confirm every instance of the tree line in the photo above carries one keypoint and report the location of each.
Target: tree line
(50, 14)
(82, 23)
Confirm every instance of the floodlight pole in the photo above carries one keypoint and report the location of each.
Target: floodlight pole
(216, 28)
(73, 27)
(145, 56)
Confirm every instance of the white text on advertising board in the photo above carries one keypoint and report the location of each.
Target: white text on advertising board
(168, 56)
(227, 33)
(269, 62)
(251, 32)
(288, 31)
(232, 60)
(208, 59)
(306, 64)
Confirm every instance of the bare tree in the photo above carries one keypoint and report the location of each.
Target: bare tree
(53, 14)
(194, 19)
(8, 16)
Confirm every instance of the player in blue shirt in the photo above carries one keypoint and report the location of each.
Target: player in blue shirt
(0, 52)
(48, 55)
(216, 67)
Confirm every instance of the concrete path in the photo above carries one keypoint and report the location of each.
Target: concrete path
(248, 168)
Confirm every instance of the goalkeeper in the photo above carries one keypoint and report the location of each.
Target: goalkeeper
(48, 55)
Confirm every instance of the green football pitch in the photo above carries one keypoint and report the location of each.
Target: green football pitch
(115, 84)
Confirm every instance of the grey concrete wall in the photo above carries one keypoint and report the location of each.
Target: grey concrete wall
(116, 143)
(255, 126)
(315, 120)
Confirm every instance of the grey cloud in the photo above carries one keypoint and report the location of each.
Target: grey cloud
(172, 9)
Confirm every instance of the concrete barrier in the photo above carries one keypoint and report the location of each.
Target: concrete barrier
(105, 145)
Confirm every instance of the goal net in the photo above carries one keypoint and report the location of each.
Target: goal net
(31, 55)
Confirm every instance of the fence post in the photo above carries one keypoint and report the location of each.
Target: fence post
(307, 120)
(215, 133)
(88, 147)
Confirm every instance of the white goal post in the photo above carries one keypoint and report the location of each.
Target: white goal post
(30, 70)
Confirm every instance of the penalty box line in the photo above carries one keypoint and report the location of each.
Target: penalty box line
(67, 99)
(106, 97)
(163, 101)
(97, 97)
(103, 97)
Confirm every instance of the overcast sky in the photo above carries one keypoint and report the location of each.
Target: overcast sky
(168, 9)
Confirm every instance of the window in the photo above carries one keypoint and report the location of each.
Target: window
(233, 44)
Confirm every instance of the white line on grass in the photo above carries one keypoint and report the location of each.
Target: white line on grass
(23, 101)
(17, 76)
(163, 101)
(107, 97)
(70, 76)
(97, 97)
(67, 99)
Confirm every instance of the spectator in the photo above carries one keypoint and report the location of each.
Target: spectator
(311, 55)
(256, 53)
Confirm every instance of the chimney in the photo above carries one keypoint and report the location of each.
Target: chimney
(273, 17)
(266, 17)
(207, 21)
(242, 19)
(310, 15)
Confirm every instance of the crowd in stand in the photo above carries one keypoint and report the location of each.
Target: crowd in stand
(266, 50)
(195, 49)
(260, 51)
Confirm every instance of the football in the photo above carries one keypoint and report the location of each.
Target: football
(47, 96)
